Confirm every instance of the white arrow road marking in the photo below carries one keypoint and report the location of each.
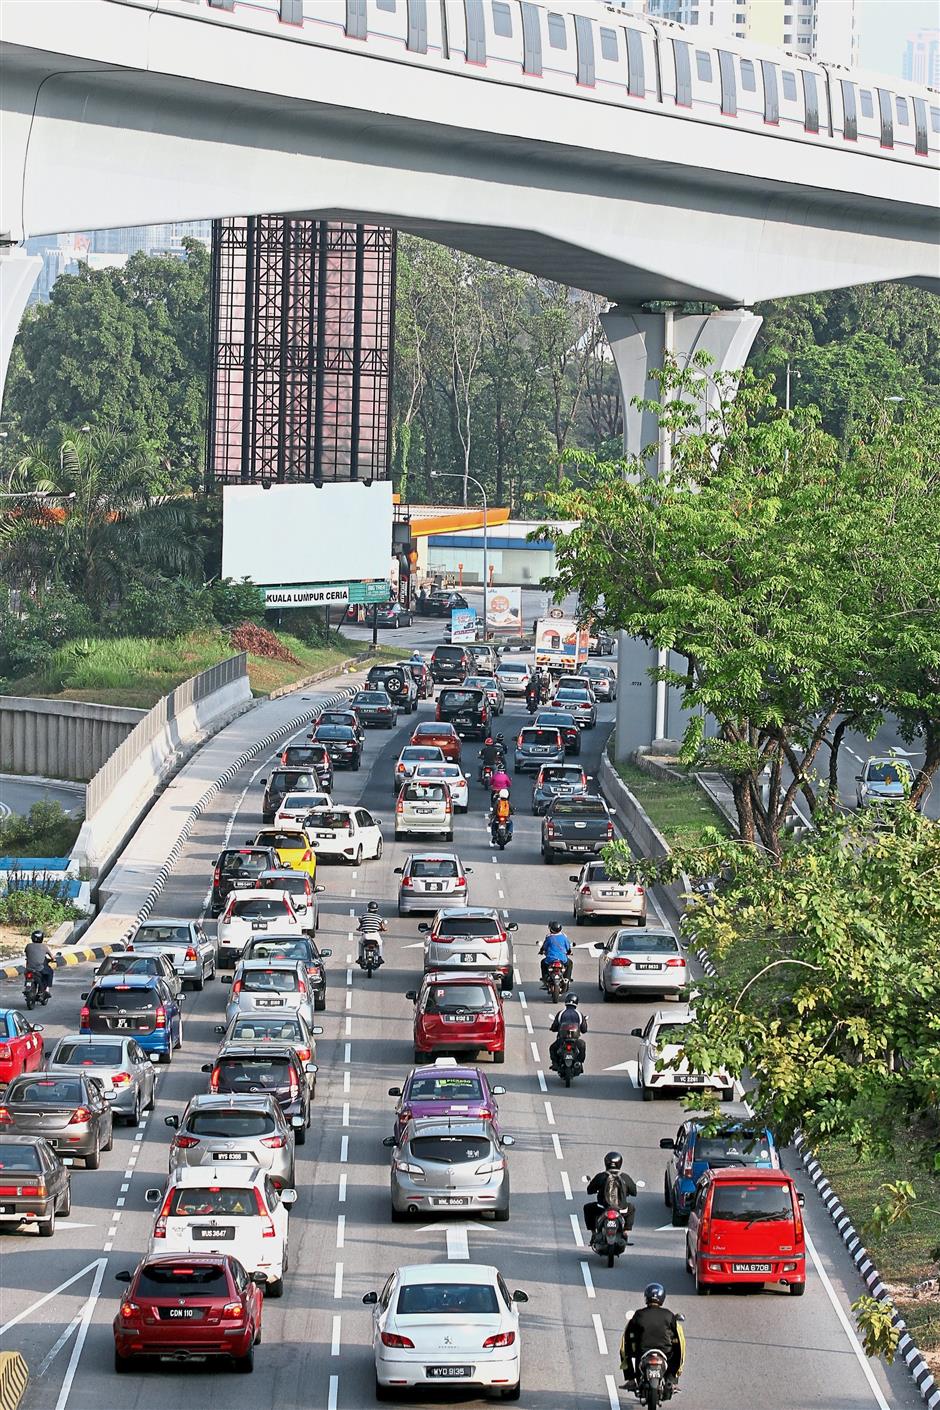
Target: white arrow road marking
(630, 1067)
(34, 1307)
(416, 945)
(669, 1229)
(458, 1244)
(87, 1314)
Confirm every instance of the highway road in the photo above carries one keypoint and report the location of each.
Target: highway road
(759, 1349)
(19, 793)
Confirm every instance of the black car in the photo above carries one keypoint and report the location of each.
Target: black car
(292, 947)
(450, 663)
(344, 745)
(421, 675)
(581, 825)
(284, 781)
(376, 709)
(398, 684)
(467, 708)
(565, 723)
(238, 866)
(271, 1068)
(392, 615)
(441, 603)
(340, 717)
(34, 1184)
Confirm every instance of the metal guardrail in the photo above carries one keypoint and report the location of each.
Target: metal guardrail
(188, 693)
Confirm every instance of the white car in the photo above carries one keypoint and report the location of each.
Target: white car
(447, 1324)
(348, 834)
(410, 757)
(513, 676)
(883, 780)
(254, 912)
(296, 806)
(577, 682)
(662, 1042)
(218, 1209)
(453, 776)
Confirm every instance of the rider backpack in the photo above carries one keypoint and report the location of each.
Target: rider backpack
(614, 1193)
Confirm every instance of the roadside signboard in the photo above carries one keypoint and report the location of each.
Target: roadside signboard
(325, 594)
(504, 610)
(463, 624)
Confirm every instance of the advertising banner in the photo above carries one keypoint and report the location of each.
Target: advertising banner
(504, 610)
(463, 624)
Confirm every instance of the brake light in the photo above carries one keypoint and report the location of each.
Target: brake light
(80, 1115)
(519, 742)
(119, 1078)
(620, 964)
(675, 964)
(234, 1311)
(274, 1143)
(130, 1312)
(610, 830)
(236, 988)
(5, 1118)
(303, 1054)
(160, 1021)
(308, 855)
(216, 876)
(159, 1228)
(393, 1339)
(612, 1213)
(797, 1222)
(35, 1191)
(448, 805)
(5, 1053)
(267, 1223)
(406, 1113)
(461, 881)
(214, 1080)
(688, 1163)
(585, 890)
(407, 881)
(500, 1339)
(294, 1088)
(83, 1016)
(191, 954)
(399, 806)
(550, 828)
(186, 1143)
(705, 1225)
(437, 713)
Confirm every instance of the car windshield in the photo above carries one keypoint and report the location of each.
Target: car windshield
(330, 818)
(450, 1150)
(16, 1157)
(162, 935)
(122, 997)
(246, 1074)
(447, 1299)
(425, 792)
(267, 1030)
(453, 998)
(468, 925)
(281, 981)
(231, 863)
(213, 1199)
(670, 1033)
(579, 808)
(647, 945)
(735, 1149)
(744, 1204)
(431, 1088)
(336, 732)
(89, 1054)
(258, 908)
(426, 867)
(888, 773)
(420, 753)
(231, 1123)
(160, 1280)
(45, 1091)
(540, 737)
(283, 841)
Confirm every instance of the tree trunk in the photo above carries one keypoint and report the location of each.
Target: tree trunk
(741, 788)
(930, 765)
(838, 734)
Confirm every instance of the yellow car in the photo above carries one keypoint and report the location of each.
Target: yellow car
(293, 847)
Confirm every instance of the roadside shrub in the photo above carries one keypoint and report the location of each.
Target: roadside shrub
(27, 639)
(160, 607)
(231, 602)
(36, 905)
(48, 831)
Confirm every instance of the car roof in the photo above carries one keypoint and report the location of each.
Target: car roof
(459, 976)
(638, 931)
(490, 912)
(750, 1175)
(432, 857)
(253, 893)
(126, 981)
(253, 964)
(28, 1140)
(449, 1063)
(216, 1174)
(282, 874)
(677, 1015)
(165, 920)
(410, 1273)
(246, 1047)
(88, 1038)
(430, 727)
(212, 1100)
(164, 1260)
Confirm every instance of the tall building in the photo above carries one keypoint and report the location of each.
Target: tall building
(920, 62)
(820, 29)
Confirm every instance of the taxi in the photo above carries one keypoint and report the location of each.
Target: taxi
(293, 846)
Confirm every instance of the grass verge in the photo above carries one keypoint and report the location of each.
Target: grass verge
(903, 1254)
(48, 831)
(678, 809)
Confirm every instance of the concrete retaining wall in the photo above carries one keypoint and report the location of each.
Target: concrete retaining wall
(66, 739)
(647, 838)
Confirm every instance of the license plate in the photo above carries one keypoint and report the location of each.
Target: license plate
(269, 1003)
(259, 925)
(327, 836)
(434, 886)
(448, 1373)
(578, 847)
(424, 810)
(750, 1268)
(181, 1314)
(122, 1023)
(469, 959)
(53, 1140)
(7, 1208)
(229, 1155)
(610, 893)
(204, 1235)
(649, 966)
(580, 826)
(689, 1078)
(448, 1200)
(457, 1018)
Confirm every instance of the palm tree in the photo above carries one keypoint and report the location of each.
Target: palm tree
(95, 508)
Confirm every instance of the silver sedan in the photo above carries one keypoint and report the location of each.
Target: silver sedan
(430, 880)
(120, 1064)
(187, 944)
(640, 962)
(597, 895)
(449, 1166)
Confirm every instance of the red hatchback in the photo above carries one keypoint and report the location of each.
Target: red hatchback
(459, 1013)
(746, 1226)
(21, 1045)
(185, 1307)
(443, 735)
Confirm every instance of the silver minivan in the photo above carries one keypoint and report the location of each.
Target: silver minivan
(425, 806)
(243, 1130)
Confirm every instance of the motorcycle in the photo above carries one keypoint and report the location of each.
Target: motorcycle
(501, 834)
(556, 980)
(609, 1236)
(35, 989)
(653, 1386)
(532, 703)
(370, 957)
(567, 1062)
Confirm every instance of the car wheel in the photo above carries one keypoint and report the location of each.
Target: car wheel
(608, 996)
(399, 1216)
(499, 1057)
(200, 983)
(378, 850)
(66, 1209)
(514, 1392)
(383, 1393)
(797, 1289)
(246, 1363)
(300, 1136)
(398, 835)
(134, 1118)
(501, 1216)
(110, 1145)
(275, 1289)
(678, 1218)
(94, 1160)
(357, 860)
(702, 1289)
(166, 1057)
(319, 1001)
(421, 1057)
(122, 1364)
(578, 918)
(46, 1227)
(648, 1093)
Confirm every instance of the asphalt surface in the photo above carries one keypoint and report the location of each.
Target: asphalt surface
(754, 1349)
(18, 794)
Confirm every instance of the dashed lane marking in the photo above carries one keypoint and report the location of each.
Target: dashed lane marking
(557, 1146)
(549, 1114)
(338, 1282)
(612, 1393)
(342, 1189)
(340, 1231)
(347, 1052)
(333, 1393)
(344, 1150)
(566, 1185)
(543, 1085)
(588, 1280)
(336, 1339)
(599, 1336)
(535, 1054)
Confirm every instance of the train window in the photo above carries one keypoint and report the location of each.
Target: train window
(748, 77)
(920, 127)
(789, 86)
(887, 118)
(868, 108)
(388, 5)
(771, 98)
(531, 39)
(356, 23)
(636, 81)
(935, 119)
(849, 113)
(810, 102)
(729, 88)
(584, 34)
(901, 105)
(292, 11)
(418, 26)
(557, 37)
(703, 65)
(502, 19)
(221, 4)
(476, 31)
(609, 47)
(683, 73)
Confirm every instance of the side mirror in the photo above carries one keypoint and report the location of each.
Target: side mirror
(574, 878)
(858, 778)
(325, 954)
(85, 995)
(801, 1200)
(311, 1069)
(225, 979)
(498, 1091)
(394, 1091)
(264, 781)
(154, 1057)
(508, 1141)
(317, 1031)
(153, 1196)
(67, 1159)
(412, 994)
(370, 1298)
(206, 1067)
(423, 929)
(666, 1143)
(389, 1142)
(319, 889)
(519, 1296)
(219, 1028)
(35, 1028)
(123, 1277)
(468, 871)
(636, 1032)
(288, 1197)
(512, 926)
(259, 1280)
(173, 1121)
(297, 1122)
(399, 871)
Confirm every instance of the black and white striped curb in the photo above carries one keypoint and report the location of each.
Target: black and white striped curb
(869, 1275)
(212, 792)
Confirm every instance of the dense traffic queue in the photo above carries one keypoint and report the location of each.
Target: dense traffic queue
(220, 1239)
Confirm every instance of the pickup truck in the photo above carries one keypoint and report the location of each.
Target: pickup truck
(581, 826)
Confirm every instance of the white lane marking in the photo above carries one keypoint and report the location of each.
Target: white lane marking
(549, 1114)
(127, 1175)
(336, 1340)
(522, 999)
(855, 756)
(535, 1053)
(528, 1024)
(349, 998)
(108, 1246)
(588, 1280)
(139, 1134)
(349, 958)
(120, 1202)
(501, 895)
(124, 1190)
(334, 1393)
(340, 1231)
(79, 1346)
(599, 1333)
(352, 912)
(566, 1185)
(345, 1113)
(348, 1028)
(48, 1360)
(557, 1145)
(458, 1244)
(576, 1230)
(346, 1082)
(348, 977)
(347, 1052)
(496, 873)
(338, 1282)
(344, 1150)
(354, 875)
(669, 1228)
(846, 1325)
(631, 1067)
(342, 1189)
(543, 1085)
(612, 1395)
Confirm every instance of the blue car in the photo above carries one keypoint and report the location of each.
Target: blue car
(138, 1006)
(694, 1152)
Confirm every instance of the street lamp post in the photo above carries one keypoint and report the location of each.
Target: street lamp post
(790, 373)
(452, 475)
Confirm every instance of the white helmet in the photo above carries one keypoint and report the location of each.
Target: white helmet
(503, 793)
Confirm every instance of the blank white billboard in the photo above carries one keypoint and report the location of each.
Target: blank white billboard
(301, 534)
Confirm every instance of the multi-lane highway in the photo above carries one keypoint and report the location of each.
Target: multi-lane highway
(757, 1349)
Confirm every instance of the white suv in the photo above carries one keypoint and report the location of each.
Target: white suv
(216, 1209)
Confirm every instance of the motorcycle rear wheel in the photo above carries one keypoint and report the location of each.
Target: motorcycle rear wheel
(566, 1076)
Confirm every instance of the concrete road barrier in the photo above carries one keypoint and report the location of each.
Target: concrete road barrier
(14, 1378)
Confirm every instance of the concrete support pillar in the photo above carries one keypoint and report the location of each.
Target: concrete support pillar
(640, 342)
(18, 273)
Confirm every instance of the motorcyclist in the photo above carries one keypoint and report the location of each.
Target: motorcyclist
(569, 1017)
(532, 693)
(39, 958)
(491, 754)
(613, 1188)
(371, 929)
(501, 812)
(499, 779)
(556, 946)
(545, 684)
(652, 1328)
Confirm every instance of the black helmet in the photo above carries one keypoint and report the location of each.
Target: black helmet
(372, 906)
(555, 927)
(654, 1294)
(571, 1000)
(38, 936)
(613, 1160)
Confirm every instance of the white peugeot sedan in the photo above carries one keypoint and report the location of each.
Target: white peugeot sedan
(447, 1324)
(513, 676)
(216, 1209)
(345, 834)
(453, 776)
(662, 1042)
(249, 913)
(295, 807)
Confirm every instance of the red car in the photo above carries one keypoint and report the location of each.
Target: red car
(443, 735)
(746, 1226)
(21, 1045)
(189, 1306)
(458, 1013)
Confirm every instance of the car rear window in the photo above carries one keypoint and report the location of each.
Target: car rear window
(420, 753)
(739, 1149)
(302, 754)
(267, 1030)
(336, 731)
(132, 1000)
(447, 1299)
(446, 771)
(89, 1054)
(332, 818)
(304, 800)
(451, 1150)
(451, 998)
(670, 1033)
(263, 981)
(132, 964)
(276, 950)
(647, 945)
(425, 867)
(557, 719)
(166, 1281)
(445, 1089)
(289, 841)
(242, 1074)
(16, 1157)
(555, 773)
(366, 697)
(425, 792)
(579, 808)
(45, 1091)
(231, 1123)
(258, 908)
(162, 935)
(540, 736)
(741, 1203)
(294, 885)
(512, 668)
(231, 863)
(468, 925)
(444, 730)
(283, 782)
(573, 694)
(213, 1199)
(457, 699)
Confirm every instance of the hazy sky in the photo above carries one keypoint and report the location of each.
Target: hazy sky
(883, 26)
